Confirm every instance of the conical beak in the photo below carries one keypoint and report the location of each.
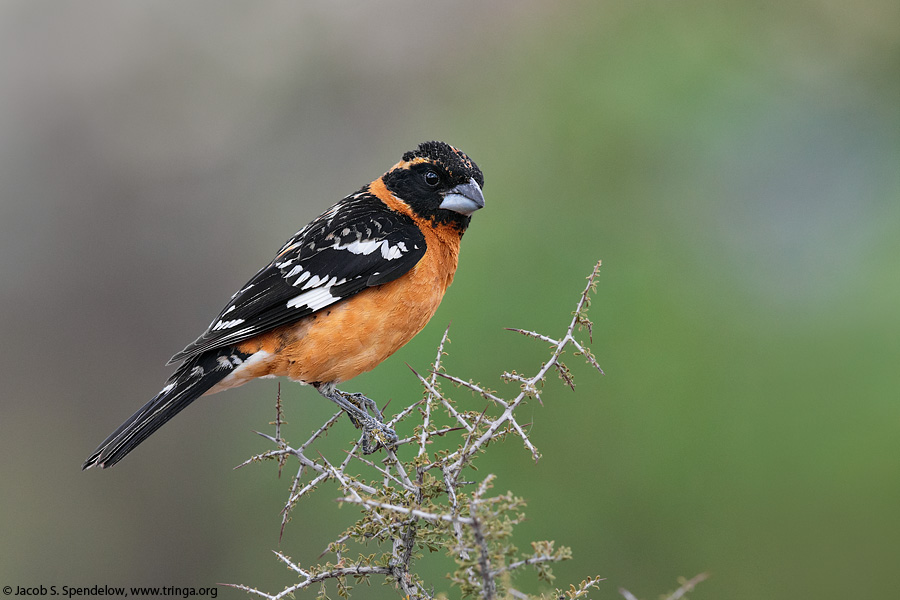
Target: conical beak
(465, 198)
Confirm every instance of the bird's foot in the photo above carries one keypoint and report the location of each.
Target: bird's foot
(360, 409)
(364, 403)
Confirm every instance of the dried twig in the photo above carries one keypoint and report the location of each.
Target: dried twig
(687, 585)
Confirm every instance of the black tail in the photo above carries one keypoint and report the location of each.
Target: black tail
(193, 378)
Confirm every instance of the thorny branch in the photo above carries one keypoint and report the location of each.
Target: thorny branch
(422, 503)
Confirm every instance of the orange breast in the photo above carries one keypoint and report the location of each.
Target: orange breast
(355, 335)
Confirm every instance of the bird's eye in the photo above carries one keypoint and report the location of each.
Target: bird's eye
(432, 178)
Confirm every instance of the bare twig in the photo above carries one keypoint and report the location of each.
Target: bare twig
(687, 586)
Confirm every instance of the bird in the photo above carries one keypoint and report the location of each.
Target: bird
(342, 295)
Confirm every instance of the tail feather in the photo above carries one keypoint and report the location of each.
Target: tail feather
(193, 378)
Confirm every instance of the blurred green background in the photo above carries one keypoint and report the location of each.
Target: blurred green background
(736, 166)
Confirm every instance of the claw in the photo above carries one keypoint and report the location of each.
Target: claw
(363, 402)
(364, 414)
(383, 436)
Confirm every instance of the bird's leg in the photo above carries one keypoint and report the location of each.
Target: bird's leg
(357, 406)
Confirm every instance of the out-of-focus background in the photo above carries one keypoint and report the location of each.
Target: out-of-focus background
(736, 165)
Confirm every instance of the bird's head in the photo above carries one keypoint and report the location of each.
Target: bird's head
(439, 183)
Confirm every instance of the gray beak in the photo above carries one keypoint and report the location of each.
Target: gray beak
(465, 198)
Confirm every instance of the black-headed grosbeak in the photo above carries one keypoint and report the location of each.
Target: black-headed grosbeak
(346, 292)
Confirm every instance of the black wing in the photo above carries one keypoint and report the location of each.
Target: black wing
(357, 243)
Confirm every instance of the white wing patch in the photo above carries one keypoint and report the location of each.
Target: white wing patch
(303, 277)
(367, 247)
(360, 247)
(227, 324)
(315, 281)
(313, 299)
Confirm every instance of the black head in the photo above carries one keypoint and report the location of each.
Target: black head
(439, 183)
